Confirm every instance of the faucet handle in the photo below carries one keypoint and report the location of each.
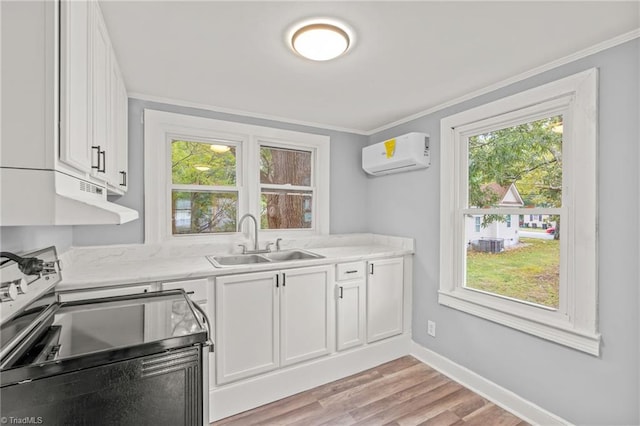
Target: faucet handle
(267, 247)
(244, 248)
(278, 244)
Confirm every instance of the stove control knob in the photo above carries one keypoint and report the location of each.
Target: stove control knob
(22, 286)
(8, 292)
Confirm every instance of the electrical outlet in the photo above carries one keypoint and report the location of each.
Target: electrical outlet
(431, 328)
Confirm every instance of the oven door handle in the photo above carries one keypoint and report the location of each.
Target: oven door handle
(207, 324)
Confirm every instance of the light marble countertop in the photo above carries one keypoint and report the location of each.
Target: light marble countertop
(95, 267)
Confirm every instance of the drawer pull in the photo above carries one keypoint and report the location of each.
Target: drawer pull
(353, 271)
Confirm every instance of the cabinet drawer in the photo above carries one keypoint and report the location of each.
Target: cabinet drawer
(198, 287)
(349, 271)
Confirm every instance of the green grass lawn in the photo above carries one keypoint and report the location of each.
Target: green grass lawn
(529, 272)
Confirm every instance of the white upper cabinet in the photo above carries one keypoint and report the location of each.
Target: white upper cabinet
(93, 100)
(120, 107)
(75, 85)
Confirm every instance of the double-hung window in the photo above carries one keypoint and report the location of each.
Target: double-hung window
(531, 154)
(202, 175)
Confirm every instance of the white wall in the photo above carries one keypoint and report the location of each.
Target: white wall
(576, 386)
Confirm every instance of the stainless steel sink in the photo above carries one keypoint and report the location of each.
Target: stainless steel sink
(226, 261)
(237, 259)
(282, 256)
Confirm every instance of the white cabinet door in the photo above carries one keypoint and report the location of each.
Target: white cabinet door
(101, 95)
(304, 313)
(384, 298)
(351, 315)
(75, 89)
(247, 332)
(121, 132)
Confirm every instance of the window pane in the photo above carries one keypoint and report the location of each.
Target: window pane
(285, 166)
(286, 209)
(518, 263)
(203, 212)
(197, 163)
(517, 166)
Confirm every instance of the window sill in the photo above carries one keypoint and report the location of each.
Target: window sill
(555, 331)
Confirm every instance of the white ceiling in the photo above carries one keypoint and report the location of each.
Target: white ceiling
(408, 57)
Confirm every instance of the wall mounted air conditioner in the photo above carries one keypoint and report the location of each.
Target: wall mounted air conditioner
(400, 154)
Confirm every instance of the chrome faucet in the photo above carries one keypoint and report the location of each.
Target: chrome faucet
(256, 245)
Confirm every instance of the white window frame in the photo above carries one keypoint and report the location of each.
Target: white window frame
(160, 128)
(574, 323)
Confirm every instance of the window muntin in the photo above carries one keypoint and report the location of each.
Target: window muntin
(516, 166)
(286, 188)
(204, 191)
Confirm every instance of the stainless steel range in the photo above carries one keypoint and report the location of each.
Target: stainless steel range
(135, 359)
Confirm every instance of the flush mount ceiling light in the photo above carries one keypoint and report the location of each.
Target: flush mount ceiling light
(320, 41)
(220, 148)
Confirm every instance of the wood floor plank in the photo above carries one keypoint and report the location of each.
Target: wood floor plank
(469, 405)
(410, 405)
(378, 389)
(431, 382)
(257, 415)
(398, 393)
(397, 365)
(445, 418)
(338, 386)
(426, 412)
(301, 415)
(493, 415)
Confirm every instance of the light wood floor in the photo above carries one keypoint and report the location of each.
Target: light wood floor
(400, 392)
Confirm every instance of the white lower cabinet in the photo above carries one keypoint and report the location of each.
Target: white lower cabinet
(385, 282)
(304, 314)
(268, 320)
(350, 305)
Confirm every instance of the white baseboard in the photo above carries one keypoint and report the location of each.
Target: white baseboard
(235, 398)
(500, 396)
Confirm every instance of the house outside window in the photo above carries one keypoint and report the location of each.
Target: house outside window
(541, 145)
(202, 174)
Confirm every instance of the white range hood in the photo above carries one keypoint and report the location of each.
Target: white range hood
(48, 197)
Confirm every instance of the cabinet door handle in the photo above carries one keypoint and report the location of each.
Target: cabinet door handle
(284, 279)
(124, 178)
(104, 161)
(341, 295)
(371, 272)
(97, 148)
(277, 280)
